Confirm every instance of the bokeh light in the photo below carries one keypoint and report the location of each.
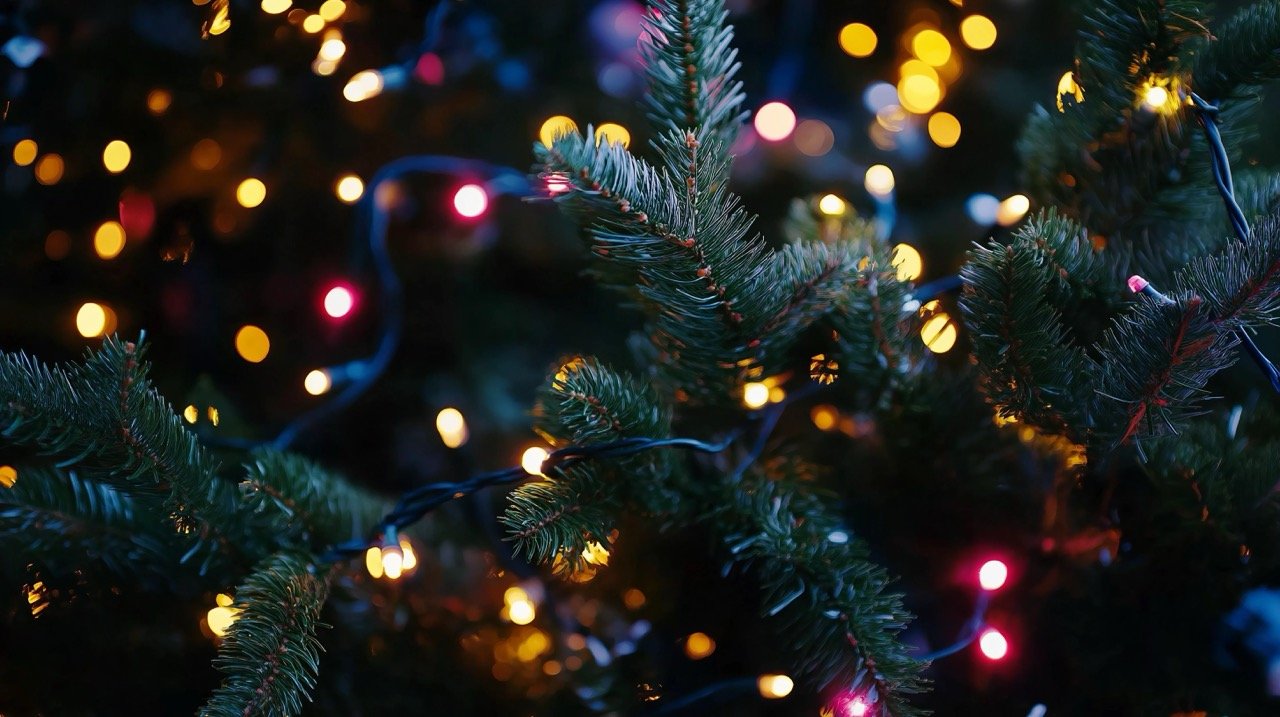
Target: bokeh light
(993, 644)
(532, 458)
(907, 261)
(109, 239)
(331, 10)
(158, 101)
(932, 47)
(363, 85)
(831, 205)
(349, 188)
(452, 427)
(470, 200)
(699, 645)
(251, 193)
(814, 137)
(944, 129)
(25, 151)
(978, 32)
(857, 39)
(879, 180)
(775, 687)
(556, 126)
(755, 395)
(314, 24)
(252, 343)
(206, 154)
(116, 156)
(939, 333)
(919, 94)
(338, 301)
(614, 134)
(993, 574)
(94, 320)
(775, 121)
(275, 7)
(8, 476)
(1012, 209)
(317, 382)
(49, 169)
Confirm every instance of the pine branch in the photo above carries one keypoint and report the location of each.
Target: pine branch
(829, 601)
(271, 655)
(874, 337)
(1245, 52)
(66, 523)
(690, 63)
(1240, 285)
(306, 503)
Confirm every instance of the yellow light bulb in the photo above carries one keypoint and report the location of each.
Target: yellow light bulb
(857, 39)
(116, 156)
(349, 188)
(532, 458)
(1155, 97)
(522, 612)
(824, 417)
(555, 126)
(939, 333)
(1012, 209)
(775, 687)
(25, 151)
(932, 47)
(252, 343)
(220, 619)
(332, 49)
(613, 134)
(317, 382)
(879, 180)
(410, 557)
(109, 239)
(514, 594)
(8, 476)
(392, 562)
(91, 320)
(831, 205)
(331, 10)
(313, 24)
(907, 260)
(191, 413)
(251, 193)
(944, 129)
(373, 562)
(275, 7)
(978, 32)
(452, 428)
(919, 94)
(363, 85)
(699, 645)
(755, 395)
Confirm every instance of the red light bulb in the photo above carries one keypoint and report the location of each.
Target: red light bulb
(993, 574)
(338, 302)
(470, 200)
(993, 644)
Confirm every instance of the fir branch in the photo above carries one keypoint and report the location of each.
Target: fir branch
(1240, 285)
(872, 330)
(830, 601)
(811, 281)
(562, 515)
(1245, 52)
(306, 503)
(271, 655)
(690, 63)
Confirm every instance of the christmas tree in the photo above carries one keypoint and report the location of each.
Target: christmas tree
(721, 497)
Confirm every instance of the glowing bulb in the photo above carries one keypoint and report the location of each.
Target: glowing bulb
(755, 395)
(932, 47)
(613, 134)
(857, 39)
(993, 574)
(221, 618)
(410, 557)
(907, 260)
(275, 7)
(108, 240)
(939, 333)
(8, 476)
(978, 32)
(699, 645)
(158, 101)
(116, 156)
(392, 561)
(373, 562)
(25, 151)
(879, 180)
(857, 708)
(919, 93)
(252, 343)
(824, 417)
(91, 320)
(206, 154)
(775, 687)
(251, 193)
(349, 188)
(313, 24)
(1155, 97)
(332, 49)
(452, 428)
(994, 646)
(514, 594)
(775, 122)
(532, 458)
(338, 302)
(470, 200)
(363, 85)
(317, 382)
(49, 169)
(831, 205)
(556, 126)
(944, 129)
(331, 10)
(1012, 209)
(522, 612)
(191, 414)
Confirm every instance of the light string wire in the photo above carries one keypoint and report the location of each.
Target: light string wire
(1208, 115)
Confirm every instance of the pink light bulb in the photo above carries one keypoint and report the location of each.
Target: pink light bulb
(993, 644)
(338, 302)
(857, 708)
(993, 574)
(470, 200)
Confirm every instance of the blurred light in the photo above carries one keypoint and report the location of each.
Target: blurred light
(206, 154)
(313, 24)
(699, 645)
(932, 47)
(392, 557)
(331, 10)
(514, 594)
(191, 413)
(317, 382)
(993, 574)
(363, 85)
(978, 32)
(944, 129)
(633, 598)
(775, 122)
(349, 188)
(939, 333)
(907, 260)
(983, 209)
(892, 118)
(470, 200)
(532, 458)
(25, 151)
(49, 169)
(755, 395)
(252, 343)
(410, 557)
(831, 205)
(332, 50)
(221, 617)
(275, 7)
(857, 708)
(137, 213)
(212, 413)
(116, 156)
(338, 302)
(373, 562)
(221, 20)
(1067, 86)
(251, 193)
(57, 245)
(919, 93)
(878, 95)
(824, 417)
(1012, 209)
(452, 427)
(158, 101)
(613, 134)
(92, 320)
(8, 476)
(857, 39)
(994, 646)
(814, 137)
(108, 240)
(878, 180)
(774, 687)
(1155, 97)
(555, 126)
(429, 69)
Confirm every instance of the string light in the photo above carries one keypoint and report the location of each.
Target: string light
(317, 382)
(908, 262)
(212, 413)
(1155, 97)
(223, 615)
(1012, 209)
(519, 608)
(993, 644)
(755, 394)
(978, 32)
(814, 138)
(332, 49)
(774, 687)
(363, 85)
(206, 154)
(349, 188)
(831, 205)
(919, 93)
(944, 129)
(49, 169)
(338, 302)
(275, 7)
(452, 428)
(993, 574)
(1068, 87)
(251, 193)
(25, 151)
(331, 10)
(879, 181)
(470, 200)
(252, 343)
(313, 24)
(555, 126)
(939, 333)
(633, 598)
(931, 47)
(614, 134)
(94, 319)
(8, 476)
(221, 20)
(532, 458)
(191, 414)
(698, 646)
(158, 101)
(857, 707)
(109, 239)
(116, 156)
(857, 39)
(775, 121)
(824, 417)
